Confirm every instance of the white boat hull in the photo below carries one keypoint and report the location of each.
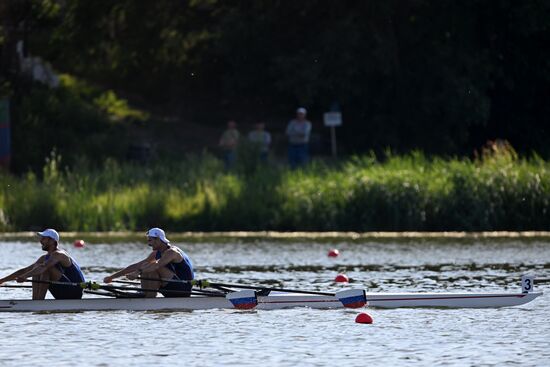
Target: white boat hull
(271, 302)
(450, 300)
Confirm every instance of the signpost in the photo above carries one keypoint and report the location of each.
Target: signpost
(333, 119)
(5, 138)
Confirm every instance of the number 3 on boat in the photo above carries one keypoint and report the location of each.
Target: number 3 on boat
(527, 283)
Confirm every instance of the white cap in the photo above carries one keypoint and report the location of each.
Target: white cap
(52, 233)
(159, 233)
(301, 110)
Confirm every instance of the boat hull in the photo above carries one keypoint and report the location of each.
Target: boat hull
(450, 300)
(271, 302)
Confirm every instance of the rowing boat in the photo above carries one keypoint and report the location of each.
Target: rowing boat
(274, 301)
(251, 299)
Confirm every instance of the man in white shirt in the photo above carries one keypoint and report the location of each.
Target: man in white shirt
(298, 132)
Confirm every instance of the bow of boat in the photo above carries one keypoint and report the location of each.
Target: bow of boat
(450, 300)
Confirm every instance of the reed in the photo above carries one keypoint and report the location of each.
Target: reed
(411, 192)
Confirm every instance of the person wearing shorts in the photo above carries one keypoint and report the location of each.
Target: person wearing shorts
(55, 271)
(167, 269)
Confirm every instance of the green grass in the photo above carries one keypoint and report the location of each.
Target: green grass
(498, 192)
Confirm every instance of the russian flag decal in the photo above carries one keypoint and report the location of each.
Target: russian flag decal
(243, 300)
(352, 298)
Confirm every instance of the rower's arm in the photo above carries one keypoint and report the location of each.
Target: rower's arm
(166, 259)
(130, 268)
(43, 266)
(20, 272)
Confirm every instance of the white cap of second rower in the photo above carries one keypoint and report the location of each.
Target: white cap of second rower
(157, 232)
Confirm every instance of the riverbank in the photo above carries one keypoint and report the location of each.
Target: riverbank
(243, 236)
(410, 193)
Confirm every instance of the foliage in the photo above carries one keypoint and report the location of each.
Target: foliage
(76, 119)
(443, 76)
(117, 108)
(409, 192)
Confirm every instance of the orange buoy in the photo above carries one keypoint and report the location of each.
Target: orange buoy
(363, 318)
(341, 278)
(79, 243)
(333, 253)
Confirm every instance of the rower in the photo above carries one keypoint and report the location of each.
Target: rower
(51, 270)
(167, 269)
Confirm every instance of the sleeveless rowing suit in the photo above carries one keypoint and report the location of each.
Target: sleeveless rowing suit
(69, 274)
(182, 270)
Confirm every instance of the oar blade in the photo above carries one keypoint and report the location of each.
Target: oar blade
(243, 300)
(352, 298)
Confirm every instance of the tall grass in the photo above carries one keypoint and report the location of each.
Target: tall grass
(413, 192)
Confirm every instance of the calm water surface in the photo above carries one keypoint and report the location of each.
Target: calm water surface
(298, 337)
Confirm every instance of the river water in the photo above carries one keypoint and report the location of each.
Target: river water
(298, 337)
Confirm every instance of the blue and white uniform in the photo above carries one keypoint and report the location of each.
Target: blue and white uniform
(182, 270)
(70, 274)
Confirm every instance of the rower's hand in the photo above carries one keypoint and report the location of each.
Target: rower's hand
(108, 279)
(21, 279)
(133, 275)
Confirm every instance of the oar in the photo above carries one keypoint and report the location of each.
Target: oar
(126, 282)
(105, 294)
(206, 283)
(30, 287)
(88, 287)
(93, 286)
(97, 286)
(113, 294)
(139, 289)
(82, 285)
(276, 289)
(198, 292)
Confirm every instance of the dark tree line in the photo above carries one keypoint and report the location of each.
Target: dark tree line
(438, 75)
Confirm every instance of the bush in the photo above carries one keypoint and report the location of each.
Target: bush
(75, 118)
(403, 193)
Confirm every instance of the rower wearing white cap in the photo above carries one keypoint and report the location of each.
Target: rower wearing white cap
(51, 270)
(167, 268)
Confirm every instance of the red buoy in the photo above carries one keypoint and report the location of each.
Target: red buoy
(79, 243)
(363, 318)
(341, 278)
(333, 253)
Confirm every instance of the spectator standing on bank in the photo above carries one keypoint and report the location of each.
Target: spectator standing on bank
(229, 142)
(298, 131)
(262, 139)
